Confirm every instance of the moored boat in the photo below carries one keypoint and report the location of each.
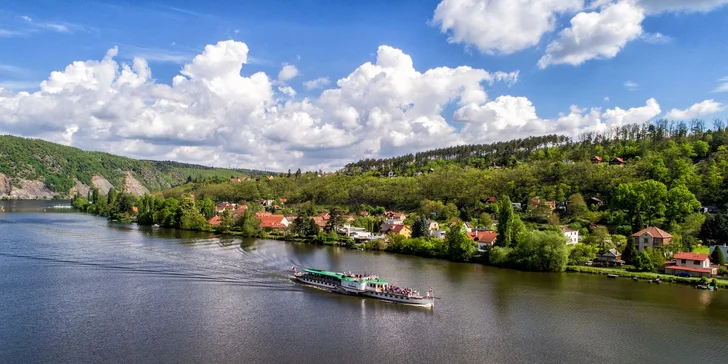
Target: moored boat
(370, 286)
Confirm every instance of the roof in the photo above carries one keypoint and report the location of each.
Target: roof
(272, 221)
(612, 252)
(567, 230)
(214, 221)
(692, 256)
(397, 228)
(483, 236)
(617, 159)
(690, 269)
(654, 232)
(596, 157)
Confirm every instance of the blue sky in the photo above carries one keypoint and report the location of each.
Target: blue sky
(679, 67)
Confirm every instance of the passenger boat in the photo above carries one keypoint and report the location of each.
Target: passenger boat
(362, 285)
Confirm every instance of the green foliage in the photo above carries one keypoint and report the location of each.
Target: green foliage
(459, 245)
(420, 227)
(582, 253)
(499, 256)
(630, 253)
(509, 224)
(541, 251)
(644, 263)
(207, 208)
(715, 229)
(717, 257)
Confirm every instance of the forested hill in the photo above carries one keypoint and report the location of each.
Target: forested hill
(629, 142)
(33, 168)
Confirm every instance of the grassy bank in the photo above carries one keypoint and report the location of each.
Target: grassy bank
(722, 283)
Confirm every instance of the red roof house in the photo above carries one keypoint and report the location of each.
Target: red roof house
(273, 222)
(650, 237)
(692, 264)
(214, 221)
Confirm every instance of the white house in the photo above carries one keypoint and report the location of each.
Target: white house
(439, 234)
(394, 218)
(651, 237)
(693, 264)
(572, 235)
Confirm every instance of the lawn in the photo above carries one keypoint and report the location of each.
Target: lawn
(701, 249)
(641, 275)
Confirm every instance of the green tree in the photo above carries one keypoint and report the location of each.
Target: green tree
(680, 203)
(643, 262)
(336, 220)
(643, 201)
(715, 229)
(94, 195)
(541, 251)
(485, 220)
(111, 196)
(576, 208)
(226, 222)
(509, 224)
(207, 208)
(717, 257)
(630, 252)
(189, 215)
(582, 253)
(248, 224)
(459, 245)
(421, 227)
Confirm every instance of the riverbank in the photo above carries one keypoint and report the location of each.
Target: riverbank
(722, 283)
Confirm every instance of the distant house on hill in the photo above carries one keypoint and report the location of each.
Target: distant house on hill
(571, 234)
(596, 159)
(616, 161)
(484, 239)
(609, 258)
(214, 221)
(651, 237)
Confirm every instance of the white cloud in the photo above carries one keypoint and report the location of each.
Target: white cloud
(656, 38)
(595, 35)
(158, 54)
(500, 26)
(288, 72)
(723, 87)
(211, 114)
(317, 83)
(631, 85)
(706, 107)
(657, 6)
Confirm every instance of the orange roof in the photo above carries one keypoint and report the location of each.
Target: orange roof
(271, 221)
(692, 256)
(690, 269)
(483, 236)
(396, 228)
(654, 232)
(214, 221)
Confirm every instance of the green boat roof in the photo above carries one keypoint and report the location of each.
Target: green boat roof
(341, 276)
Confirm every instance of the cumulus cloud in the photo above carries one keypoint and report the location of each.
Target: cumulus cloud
(211, 114)
(706, 107)
(320, 82)
(595, 35)
(288, 72)
(500, 26)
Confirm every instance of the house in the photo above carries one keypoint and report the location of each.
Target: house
(236, 179)
(490, 199)
(692, 264)
(438, 234)
(432, 225)
(596, 159)
(616, 161)
(650, 237)
(709, 209)
(484, 239)
(400, 229)
(214, 221)
(273, 222)
(354, 232)
(225, 206)
(516, 205)
(571, 234)
(240, 210)
(394, 218)
(283, 200)
(594, 201)
(320, 221)
(536, 202)
(609, 258)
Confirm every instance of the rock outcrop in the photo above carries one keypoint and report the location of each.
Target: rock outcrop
(133, 186)
(5, 186)
(31, 189)
(79, 188)
(102, 184)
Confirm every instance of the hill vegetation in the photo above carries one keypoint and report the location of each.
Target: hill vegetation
(59, 167)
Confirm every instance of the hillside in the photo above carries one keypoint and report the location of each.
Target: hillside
(33, 168)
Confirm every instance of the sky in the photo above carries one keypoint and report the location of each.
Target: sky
(316, 84)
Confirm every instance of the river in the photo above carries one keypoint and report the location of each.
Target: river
(78, 289)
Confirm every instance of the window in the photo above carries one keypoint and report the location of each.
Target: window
(644, 241)
(683, 261)
(696, 262)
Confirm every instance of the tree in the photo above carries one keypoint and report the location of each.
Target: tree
(95, 195)
(421, 227)
(715, 229)
(630, 252)
(226, 222)
(680, 203)
(189, 216)
(644, 261)
(111, 196)
(336, 220)
(509, 224)
(717, 256)
(643, 201)
(544, 251)
(459, 245)
(582, 253)
(486, 220)
(248, 223)
(298, 173)
(576, 209)
(207, 208)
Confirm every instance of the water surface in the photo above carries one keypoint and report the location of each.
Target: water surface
(78, 289)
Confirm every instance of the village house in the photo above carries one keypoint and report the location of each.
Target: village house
(536, 202)
(571, 234)
(400, 229)
(214, 221)
(394, 218)
(490, 199)
(484, 239)
(594, 201)
(616, 161)
(650, 237)
(236, 179)
(692, 264)
(225, 206)
(272, 222)
(611, 257)
(356, 233)
(596, 159)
